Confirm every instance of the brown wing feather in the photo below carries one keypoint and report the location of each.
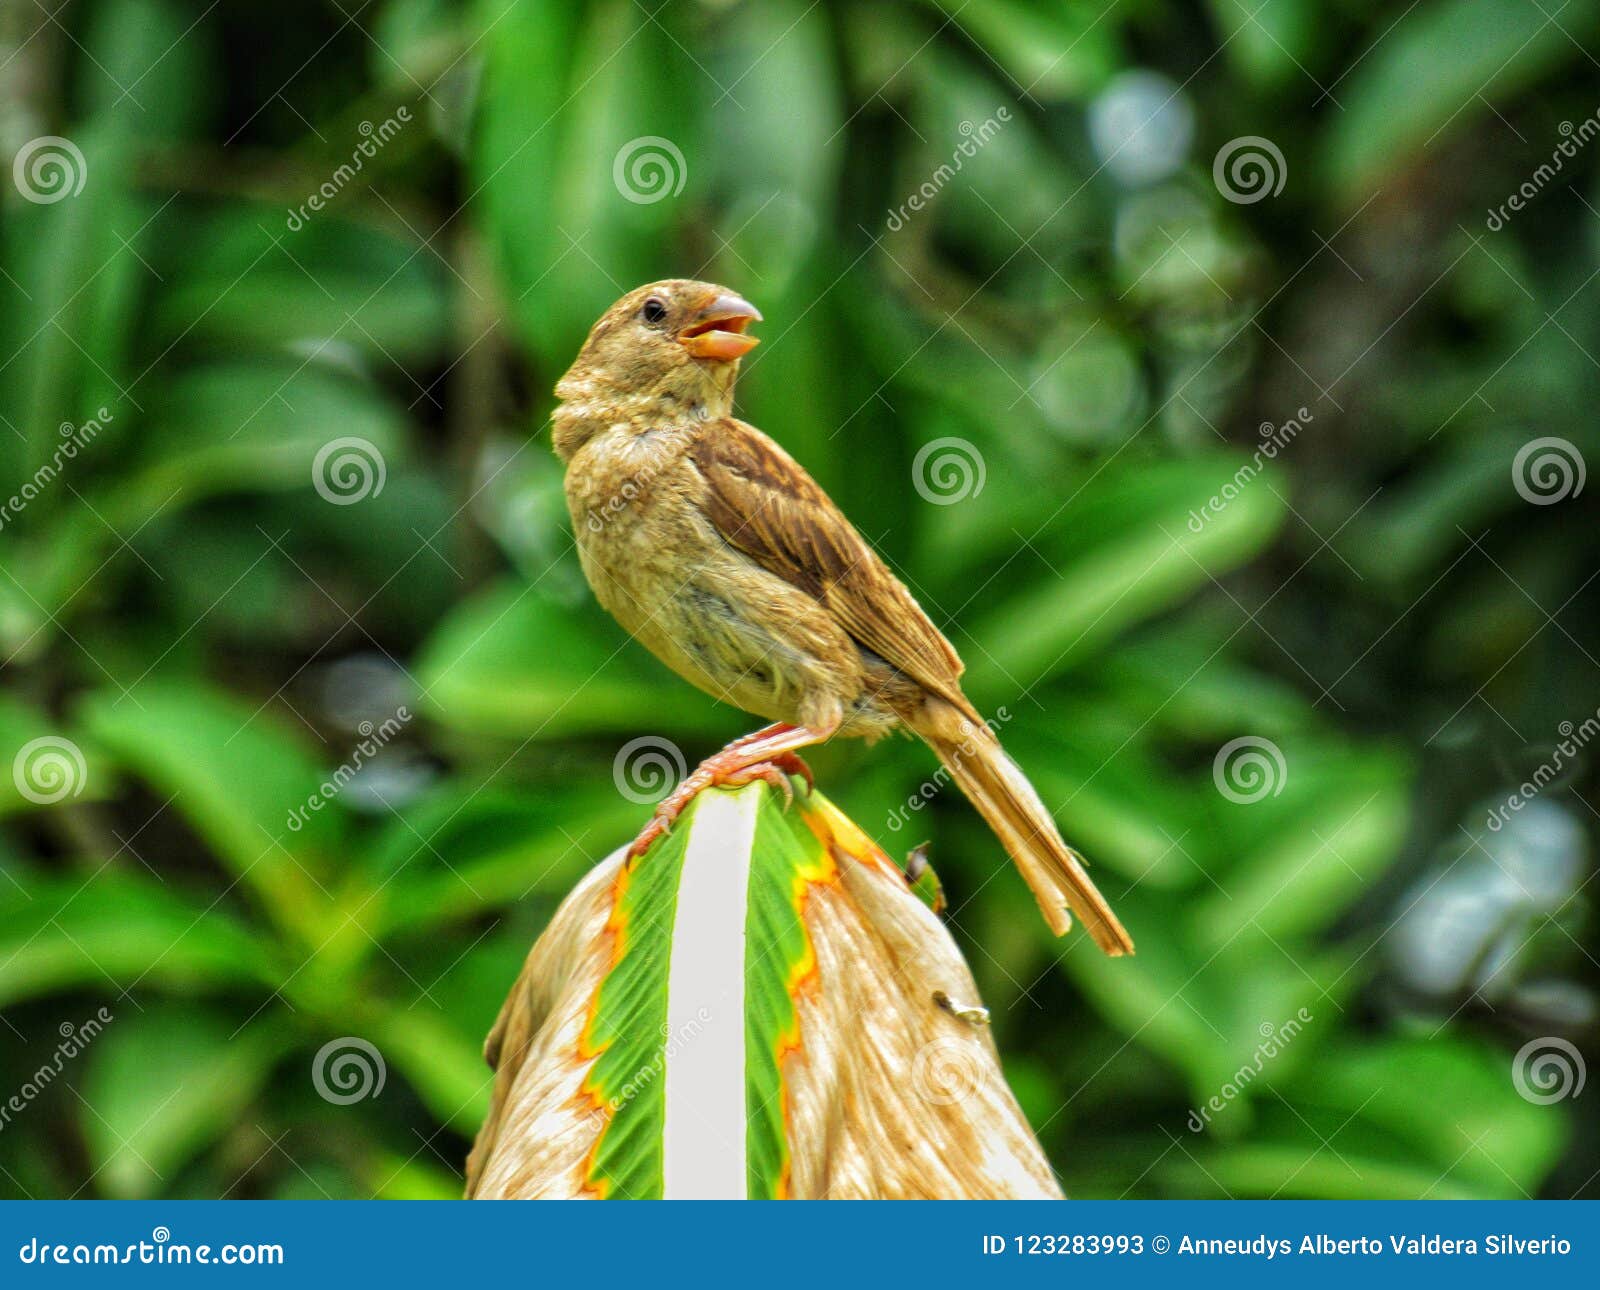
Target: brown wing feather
(764, 503)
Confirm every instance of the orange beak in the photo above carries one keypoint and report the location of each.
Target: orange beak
(717, 332)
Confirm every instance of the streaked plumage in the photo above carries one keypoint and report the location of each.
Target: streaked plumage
(716, 549)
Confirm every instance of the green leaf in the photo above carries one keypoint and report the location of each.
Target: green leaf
(1004, 163)
(629, 1025)
(1443, 66)
(396, 1177)
(466, 848)
(777, 155)
(770, 180)
(511, 662)
(71, 288)
(164, 1084)
(146, 67)
(245, 785)
(412, 40)
(1270, 41)
(53, 767)
(1319, 845)
(1061, 50)
(443, 1065)
(785, 854)
(1183, 677)
(1296, 1165)
(235, 426)
(1450, 1099)
(116, 931)
(1211, 1011)
(549, 161)
(1127, 550)
(330, 286)
(1156, 994)
(1428, 1118)
(1410, 531)
(527, 80)
(254, 426)
(469, 984)
(1118, 804)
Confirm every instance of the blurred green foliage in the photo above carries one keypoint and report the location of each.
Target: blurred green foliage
(1079, 304)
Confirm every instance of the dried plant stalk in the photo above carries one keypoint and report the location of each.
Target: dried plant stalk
(854, 1030)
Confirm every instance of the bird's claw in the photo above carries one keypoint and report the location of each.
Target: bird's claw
(775, 770)
(769, 772)
(646, 839)
(779, 770)
(793, 764)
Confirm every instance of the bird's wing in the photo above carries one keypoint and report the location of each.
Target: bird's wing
(762, 501)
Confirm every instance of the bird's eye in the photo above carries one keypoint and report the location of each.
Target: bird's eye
(654, 310)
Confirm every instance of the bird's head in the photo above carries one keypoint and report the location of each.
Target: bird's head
(674, 344)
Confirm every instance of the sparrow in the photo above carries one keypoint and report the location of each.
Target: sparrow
(716, 550)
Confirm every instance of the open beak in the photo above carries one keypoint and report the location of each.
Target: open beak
(717, 331)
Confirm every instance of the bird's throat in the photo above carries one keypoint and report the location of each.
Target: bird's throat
(591, 404)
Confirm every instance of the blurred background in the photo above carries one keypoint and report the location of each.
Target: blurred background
(1220, 376)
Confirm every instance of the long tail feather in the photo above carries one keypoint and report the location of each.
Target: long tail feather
(1008, 803)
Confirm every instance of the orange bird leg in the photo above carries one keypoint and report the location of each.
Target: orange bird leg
(767, 754)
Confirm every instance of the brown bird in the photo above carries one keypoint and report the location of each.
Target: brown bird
(715, 549)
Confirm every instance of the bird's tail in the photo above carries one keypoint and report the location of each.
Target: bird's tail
(1007, 801)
